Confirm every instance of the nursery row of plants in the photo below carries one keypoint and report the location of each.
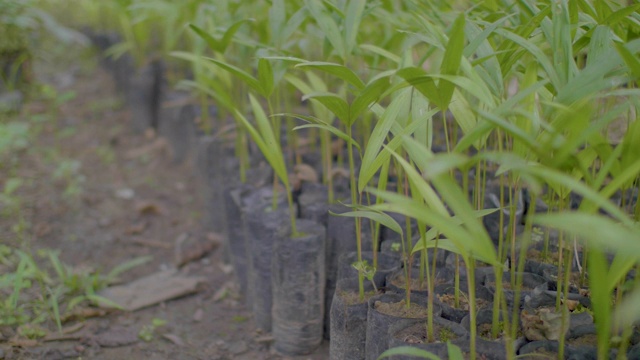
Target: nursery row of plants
(444, 178)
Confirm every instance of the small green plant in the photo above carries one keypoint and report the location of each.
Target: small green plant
(368, 271)
(446, 334)
(148, 331)
(34, 292)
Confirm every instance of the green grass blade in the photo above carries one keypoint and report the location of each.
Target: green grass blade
(537, 53)
(271, 154)
(421, 212)
(353, 18)
(451, 60)
(454, 352)
(419, 79)
(369, 167)
(379, 134)
(370, 94)
(620, 267)
(126, 266)
(231, 32)
(337, 132)
(382, 52)
(277, 20)
(633, 63)
(341, 71)
(619, 15)
(598, 231)
(212, 42)
(328, 25)
(265, 76)
(55, 307)
(269, 138)
(600, 299)
(627, 313)
(294, 23)
(252, 82)
(333, 102)
(378, 217)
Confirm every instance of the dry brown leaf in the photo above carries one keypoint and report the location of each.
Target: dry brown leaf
(174, 339)
(42, 229)
(572, 304)
(149, 208)
(116, 336)
(72, 328)
(136, 229)
(194, 251)
(265, 339)
(81, 313)
(151, 243)
(158, 145)
(220, 294)
(68, 333)
(151, 290)
(22, 342)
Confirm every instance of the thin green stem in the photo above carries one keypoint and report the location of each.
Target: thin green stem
(473, 330)
(354, 201)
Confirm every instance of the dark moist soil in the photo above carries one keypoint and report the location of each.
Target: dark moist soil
(450, 300)
(575, 278)
(353, 297)
(130, 200)
(586, 340)
(400, 309)
(417, 334)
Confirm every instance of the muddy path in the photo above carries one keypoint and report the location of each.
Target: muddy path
(123, 199)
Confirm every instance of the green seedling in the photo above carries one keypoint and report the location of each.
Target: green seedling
(528, 94)
(148, 331)
(367, 271)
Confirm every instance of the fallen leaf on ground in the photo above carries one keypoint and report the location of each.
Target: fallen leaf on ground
(151, 243)
(265, 339)
(221, 293)
(190, 251)
(572, 304)
(159, 144)
(149, 208)
(81, 313)
(116, 336)
(151, 290)
(136, 229)
(174, 339)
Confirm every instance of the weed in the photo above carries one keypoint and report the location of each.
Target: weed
(148, 331)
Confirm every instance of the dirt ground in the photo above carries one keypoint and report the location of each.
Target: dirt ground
(123, 198)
